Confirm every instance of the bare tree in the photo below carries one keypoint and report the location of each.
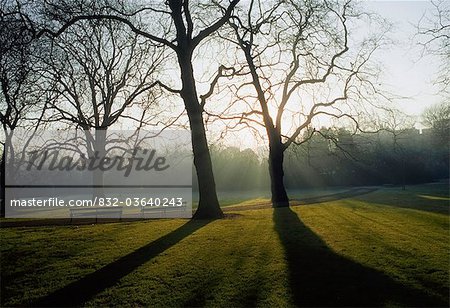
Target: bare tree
(301, 66)
(181, 26)
(20, 94)
(437, 117)
(103, 76)
(398, 125)
(433, 33)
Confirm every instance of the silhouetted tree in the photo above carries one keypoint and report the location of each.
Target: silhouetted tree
(437, 120)
(171, 24)
(433, 33)
(297, 54)
(103, 75)
(21, 96)
(437, 117)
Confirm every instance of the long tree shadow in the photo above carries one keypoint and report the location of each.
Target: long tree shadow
(320, 277)
(80, 291)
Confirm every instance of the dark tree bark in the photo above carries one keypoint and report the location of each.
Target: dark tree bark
(208, 206)
(7, 168)
(276, 146)
(2, 182)
(276, 158)
(99, 150)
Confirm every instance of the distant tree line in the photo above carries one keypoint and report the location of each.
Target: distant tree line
(337, 157)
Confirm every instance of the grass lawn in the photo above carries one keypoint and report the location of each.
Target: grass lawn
(388, 247)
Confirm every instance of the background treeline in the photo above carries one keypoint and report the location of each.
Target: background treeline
(337, 157)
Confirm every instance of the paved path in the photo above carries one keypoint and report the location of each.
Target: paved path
(305, 201)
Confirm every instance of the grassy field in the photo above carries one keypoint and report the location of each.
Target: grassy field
(388, 247)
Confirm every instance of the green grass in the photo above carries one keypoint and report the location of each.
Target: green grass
(389, 247)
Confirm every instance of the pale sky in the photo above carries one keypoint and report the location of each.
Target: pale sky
(408, 73)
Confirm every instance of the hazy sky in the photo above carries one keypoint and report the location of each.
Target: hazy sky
(406, 71)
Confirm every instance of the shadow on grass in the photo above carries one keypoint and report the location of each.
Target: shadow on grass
(320, 277)
(80, 291)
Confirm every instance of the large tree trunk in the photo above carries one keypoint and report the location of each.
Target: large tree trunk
(276, 147)
(100, 145)
(3, 181)
(276, 157)
(7, 169)
(208, 206)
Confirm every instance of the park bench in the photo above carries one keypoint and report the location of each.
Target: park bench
(97, 211)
